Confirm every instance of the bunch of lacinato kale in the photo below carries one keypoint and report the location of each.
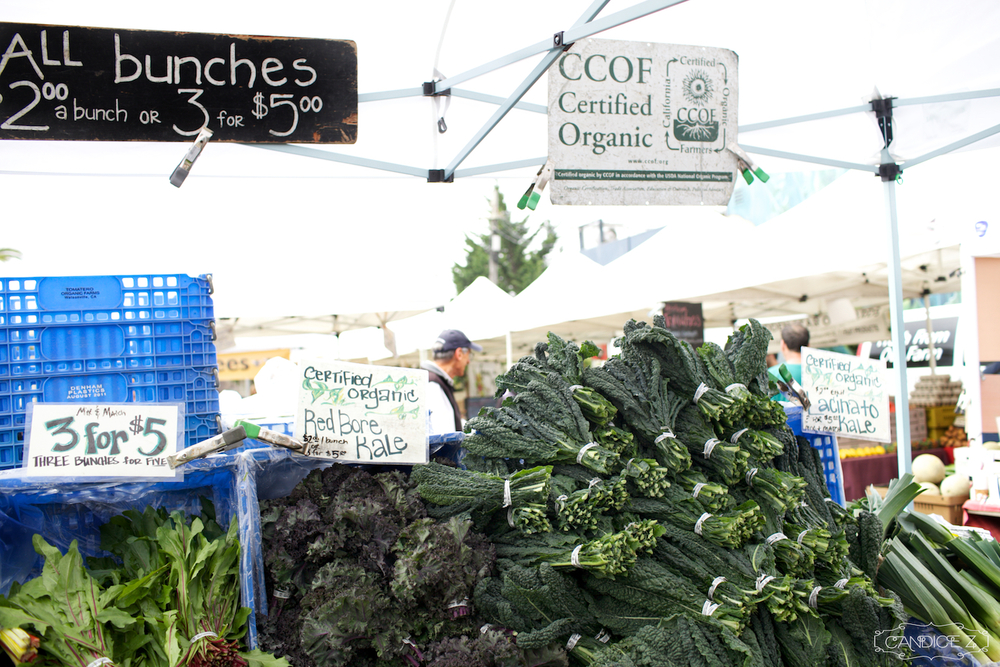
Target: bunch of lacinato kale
(657, 510)
(358, 574)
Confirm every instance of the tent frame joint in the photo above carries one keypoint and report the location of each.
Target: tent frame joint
(430, 90)
(889, 171)
(559, 41)
(883, 112)
(437, 176)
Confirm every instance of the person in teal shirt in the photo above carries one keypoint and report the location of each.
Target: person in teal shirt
(793, 338)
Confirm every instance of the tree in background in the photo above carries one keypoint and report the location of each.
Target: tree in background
(516, 265)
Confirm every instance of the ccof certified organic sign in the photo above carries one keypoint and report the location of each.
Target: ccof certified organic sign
(848, 395)
(640, 123)
(101, 440)
(362, 414)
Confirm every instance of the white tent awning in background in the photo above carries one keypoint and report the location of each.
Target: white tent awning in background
(482, 311)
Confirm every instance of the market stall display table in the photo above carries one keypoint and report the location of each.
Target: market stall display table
(983, 515)
(880, 469)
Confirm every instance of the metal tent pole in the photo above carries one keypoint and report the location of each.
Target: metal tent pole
(898, 327)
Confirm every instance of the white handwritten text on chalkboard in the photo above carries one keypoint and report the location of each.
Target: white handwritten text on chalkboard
(149, 85)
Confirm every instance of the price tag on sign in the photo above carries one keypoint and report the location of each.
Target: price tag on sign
(101, 440)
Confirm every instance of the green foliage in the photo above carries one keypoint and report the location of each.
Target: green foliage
(518, 264)
(172, 578)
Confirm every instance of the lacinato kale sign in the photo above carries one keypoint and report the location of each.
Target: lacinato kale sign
(76, 83)
(362, 414)
(848, 395)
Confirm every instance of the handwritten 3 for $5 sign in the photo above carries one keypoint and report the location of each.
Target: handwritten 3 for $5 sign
(87, 440)
(362, 414)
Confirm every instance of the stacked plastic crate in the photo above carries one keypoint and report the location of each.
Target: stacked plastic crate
(97, 339)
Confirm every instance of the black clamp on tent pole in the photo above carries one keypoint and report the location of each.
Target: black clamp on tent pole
(437, 176)
(430, 91)
(883, 113)
(559, 39)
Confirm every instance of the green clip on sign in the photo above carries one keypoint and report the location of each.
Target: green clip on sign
(101, 440)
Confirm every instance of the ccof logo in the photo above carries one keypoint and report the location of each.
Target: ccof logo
(696, 121)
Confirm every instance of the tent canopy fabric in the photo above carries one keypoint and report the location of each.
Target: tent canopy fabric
(294, 236)
(481, 311)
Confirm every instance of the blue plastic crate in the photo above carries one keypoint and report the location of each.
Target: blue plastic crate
(124, 299)
(197, 388)
(201, 427)
(829, 455)
(105, 348)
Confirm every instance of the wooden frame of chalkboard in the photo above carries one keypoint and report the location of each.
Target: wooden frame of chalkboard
(103, 84)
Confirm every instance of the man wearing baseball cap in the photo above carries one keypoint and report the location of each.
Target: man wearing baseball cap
(452, 352)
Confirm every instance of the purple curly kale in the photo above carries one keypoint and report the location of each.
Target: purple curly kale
(358, 574)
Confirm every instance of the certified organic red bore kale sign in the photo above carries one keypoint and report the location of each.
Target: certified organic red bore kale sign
(362, 414)
(59, 82)
(640, 123)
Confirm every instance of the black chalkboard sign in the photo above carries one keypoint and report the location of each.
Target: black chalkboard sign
(685, 321)
(102, 84)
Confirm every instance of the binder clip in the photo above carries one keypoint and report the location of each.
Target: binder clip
(747, 167)
(792, 389)
(534, 192)
(223, 442)
(184, 168)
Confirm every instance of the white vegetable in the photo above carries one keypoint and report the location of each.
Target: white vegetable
(931, 488)
(928, 468)
(956, 485)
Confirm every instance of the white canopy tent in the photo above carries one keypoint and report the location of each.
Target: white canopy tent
(273, 240)
(481, 311)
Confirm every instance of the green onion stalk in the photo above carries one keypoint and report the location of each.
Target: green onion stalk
(927, 598)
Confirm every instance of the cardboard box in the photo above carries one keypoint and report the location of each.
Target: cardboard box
(918, 424)
(948, 507)
(941, 416)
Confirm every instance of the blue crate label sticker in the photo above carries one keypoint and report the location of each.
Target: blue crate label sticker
(85, 388)
(362, 414)
(848, 395)
(90, 292)
(101, 440)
